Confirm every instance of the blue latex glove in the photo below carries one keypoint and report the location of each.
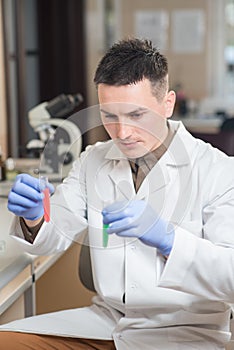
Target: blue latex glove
(25, 198)
(137, 219)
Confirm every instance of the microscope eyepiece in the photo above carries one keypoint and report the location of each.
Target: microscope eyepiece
(63, 104)
(78, 99)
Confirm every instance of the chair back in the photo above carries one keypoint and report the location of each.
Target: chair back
(85, 268)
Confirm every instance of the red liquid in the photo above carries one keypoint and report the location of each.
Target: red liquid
(46, 204)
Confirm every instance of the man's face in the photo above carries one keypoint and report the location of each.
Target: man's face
(133, 117)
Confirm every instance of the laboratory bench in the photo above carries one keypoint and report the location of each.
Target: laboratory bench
(209, 125)
(18, 284)
(210, 129)
(195, 123)
(19, 271)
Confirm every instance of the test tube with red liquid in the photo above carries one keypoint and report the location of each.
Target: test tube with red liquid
(46, 199)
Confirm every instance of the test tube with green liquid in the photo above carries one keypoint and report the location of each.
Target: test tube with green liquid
(105, 235)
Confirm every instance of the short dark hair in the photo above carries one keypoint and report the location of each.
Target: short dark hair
(132, 60)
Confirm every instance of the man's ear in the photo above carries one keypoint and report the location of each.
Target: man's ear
(170, 100)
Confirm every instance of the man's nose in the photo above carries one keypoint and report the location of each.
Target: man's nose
(124, 130)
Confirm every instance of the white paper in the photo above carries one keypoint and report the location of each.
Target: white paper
(152, 25)
(188, 30)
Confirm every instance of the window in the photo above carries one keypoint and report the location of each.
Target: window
(229, 47)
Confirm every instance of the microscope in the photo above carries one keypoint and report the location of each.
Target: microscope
(60, 139)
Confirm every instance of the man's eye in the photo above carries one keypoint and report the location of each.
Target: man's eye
(136, 115)
(110, 116)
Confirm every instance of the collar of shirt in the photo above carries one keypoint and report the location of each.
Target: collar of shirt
(148, 161)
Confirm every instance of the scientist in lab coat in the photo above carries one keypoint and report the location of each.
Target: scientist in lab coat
(164, 277)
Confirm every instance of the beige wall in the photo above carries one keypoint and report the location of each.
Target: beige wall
(94, 48)
(94, 44)
(14, 312)
(193, 71)
(189, 69)
(3, 130)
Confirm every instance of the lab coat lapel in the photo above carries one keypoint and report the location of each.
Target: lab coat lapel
(122, 177)
(121, 174)
(175, 160)
(157, 179)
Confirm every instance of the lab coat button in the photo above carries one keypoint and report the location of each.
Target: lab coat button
(133, 286)
(133, 247)
(119, 335)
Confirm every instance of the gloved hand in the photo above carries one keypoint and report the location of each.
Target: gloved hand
(26, 199)
(137, 219)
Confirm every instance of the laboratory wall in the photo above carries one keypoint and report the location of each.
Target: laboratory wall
(186, 31)
(189, 68)
(190, 33)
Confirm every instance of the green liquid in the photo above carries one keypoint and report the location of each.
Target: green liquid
(105, 236)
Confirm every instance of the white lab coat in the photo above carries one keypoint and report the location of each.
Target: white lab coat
(182, 303)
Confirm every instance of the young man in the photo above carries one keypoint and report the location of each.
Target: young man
(165, 278)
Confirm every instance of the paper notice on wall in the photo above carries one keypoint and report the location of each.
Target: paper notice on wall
(188, 31)
(152, 25)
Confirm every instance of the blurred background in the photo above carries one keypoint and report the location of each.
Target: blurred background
(52, 47)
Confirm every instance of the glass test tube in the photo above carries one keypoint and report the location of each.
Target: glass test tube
(46, 199)
(105, 236)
